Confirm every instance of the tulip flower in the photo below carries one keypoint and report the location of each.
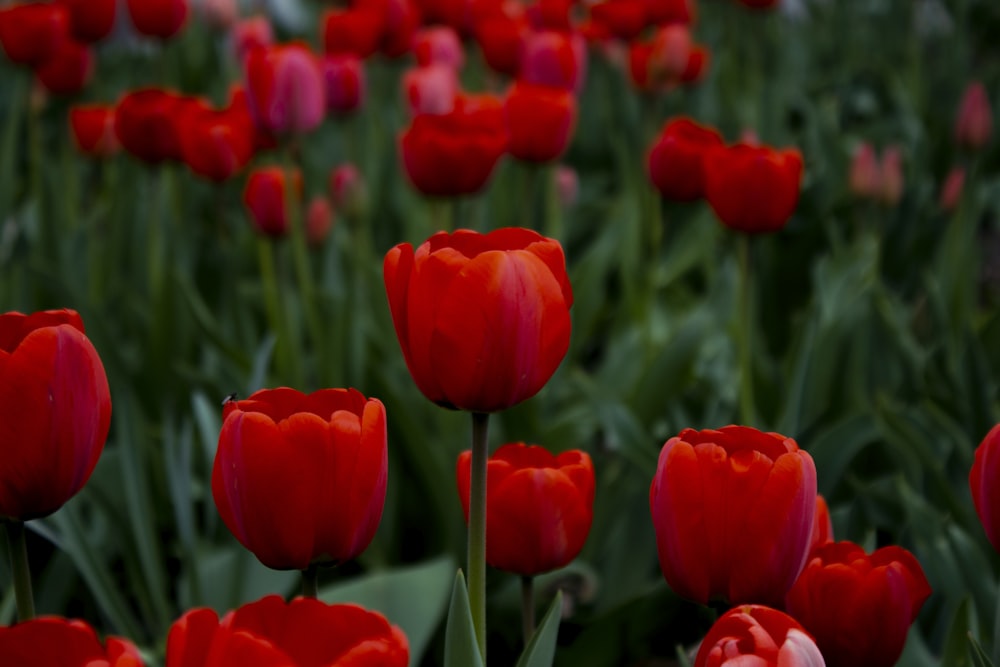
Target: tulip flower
(675, 159)
(753, 189)
(400, 19)
(57, 642)
(859, 607)
(301, 633)
(285, 88)
(356, 31)
(865, 177)
(501, 36)
(438, 45)
(951, 190)
(319, 220)
(69, 69)
(158, 18)
(891, 176)
(249, 34)
(625, 19)
(974, 123)
(567, 185)
(344, 79)
(90, 20)
(264, 197)
(33, 32)
(539, 507)
(822, 532)
(452, 154)
(432, 89)
(483, 320)
(663, 12)
(553, 58)
(453, 13)
(754, 635)
(93, 129)
(56, 411)
(540, 121)
(215, 144)
(300, 479)
(733, 511)
(145, 124)
(984, 482)
(347, 189)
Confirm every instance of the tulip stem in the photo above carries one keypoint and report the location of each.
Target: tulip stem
(745, 326)
(310, 581)
(527, 608)
(272, 303)
(18, 548)
(477, 528)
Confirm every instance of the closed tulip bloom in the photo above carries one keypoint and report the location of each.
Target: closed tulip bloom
(302, 633)
(285, 88)
(453, 13)
(625, 19)
(552, 58)
(859, 607)
(451, 154)
(344, 79)
(539, 507)
(540, 120)
(984, 482)
(567, 185)
(865, 176)
(90, 20)
(264, 197)
(300, 479)
(33, 32)
(401, 19)
(215, 144)
(951, 191)
(757, 636)
(822, 532)
(357, 31)
(347, 189)
(733, 511)
(438, 45)
(69, 69)
(501, 36)
(145, 124)
(158, 18)
(93, 129)
(753, 189)
(431, 89)
(56, 411)
(483, 320)
(319, 220)
(662, 12)
(697, 65)
(974, 123)
(249, 34)
(51, 641)
(891, 176)
(675, 160)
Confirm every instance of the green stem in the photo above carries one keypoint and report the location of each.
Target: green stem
(18, 547)
(477, 528)
(272, 304)
(310, 581)
(745, 325)
(527, 608)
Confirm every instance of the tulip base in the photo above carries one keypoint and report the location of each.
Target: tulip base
(527, 608)
(18, 547)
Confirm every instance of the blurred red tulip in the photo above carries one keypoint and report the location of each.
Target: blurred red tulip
(822, 532)
(753, 189)
(273, 633)
(239, 107)
(319, 220)
(52, 641)
(483, 320)
(865, 177)
(567, 185)
(454, 13)
(356, 31)
(33, 32)
(250, 33)
(974, 123)
(625, 19)
(697, 64)
(662, 12)
(144, 124)
(93, 128)
(347, 189)
(300, 479)
(733, 511)
(264, 197)
(757, 636)
(285, 88)
(215, 144)
(550, 14)
(452, 154)
(158, 18)
(501, 36)
(220, 14)
(553, 58)
(69, 69)
(951, 191)
(90, 20)
(539, 507)
(891, 176)
(676, 159)
(344, 79)
(438, 45)
(540, 121)
(859, 607)
(56, 411)
(430, 90)
(400, 20)
(984, 482)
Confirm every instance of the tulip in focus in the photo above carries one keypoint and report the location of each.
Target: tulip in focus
(757, 636)
(158, 18)
(93, 129)
(540, 121)
(753, 189)
(300, 479)
(483, 320)
(285, 88)
(56, 411)
(733, 511)
(675, 159)
(302, 633)
(974, 123)
(539, 507)
(264, 197)
(57, 642)
(984, 482)
(859, 607)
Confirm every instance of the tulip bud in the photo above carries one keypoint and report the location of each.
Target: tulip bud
(319, 220)
(264, 196)
(93, 128)
(344, 76)
(431, 89)
(892, 176)
(951, 191)
(984, 482)
(567, 185)
(556, 59)
(347, 190)
(974, 123)
(250, 33)
(865, 178)
(285, 88)
(438, 45)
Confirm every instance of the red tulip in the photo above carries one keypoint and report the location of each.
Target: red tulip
(984, 482)
(865, 178)
(300, 479)
(951, 191)
(438, 45)
(249, 34)
(697, 63)
(215, 144)
(93, 128)
(753, 189)
(822, 532)
(264, 197)
(145, 124)
(319, 220)
(551, 14)
(567, 185)
(454, 13)
(347, 189)
(158, 18)
(56, 411)
(501, 36)
(68, 70)
(675, 159)
(662, 12)
(90, 20)
(357, 31)
(757, 636)
(891, 176)
(540, 120)
(553, 58)
(974, 123)
(432, 89)
(483, 320)
(733, 511)
(285, 88)
(859, 607)
(624, 19)
(51, 641)
(452, 154)
(400, 21)
(33, 32)
(272, 633)
(539, 507)
(344, 79)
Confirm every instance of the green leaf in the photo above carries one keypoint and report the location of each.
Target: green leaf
(460, 646)
(412, 597)
(541, 648)
(979, 658)
(956, 645)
